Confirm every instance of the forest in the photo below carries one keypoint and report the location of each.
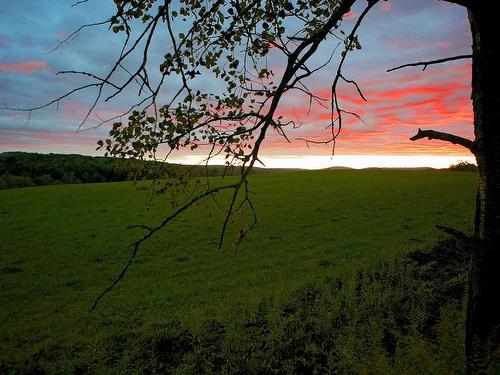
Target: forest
(24, 169)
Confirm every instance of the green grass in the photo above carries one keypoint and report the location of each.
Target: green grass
(61, 245)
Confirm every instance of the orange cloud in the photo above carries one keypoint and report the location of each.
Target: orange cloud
(350, 15)
(25, 67)
(397, 106)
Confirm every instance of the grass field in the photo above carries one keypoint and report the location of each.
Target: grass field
(61, 245)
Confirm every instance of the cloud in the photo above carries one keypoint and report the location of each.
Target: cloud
(395, 33)
(25, 67)
(386, 6)
(351, 15)
(30, 139)
(397, 106)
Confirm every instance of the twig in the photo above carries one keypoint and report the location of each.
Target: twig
(79, 2)
(135, 245)
(431, 62)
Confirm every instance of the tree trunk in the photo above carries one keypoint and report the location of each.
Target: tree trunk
(483, 312)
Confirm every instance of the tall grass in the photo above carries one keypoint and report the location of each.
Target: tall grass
(405, 317)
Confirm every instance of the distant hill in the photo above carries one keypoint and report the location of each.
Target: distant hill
(338, 167)
(22, 169)
(401, 168)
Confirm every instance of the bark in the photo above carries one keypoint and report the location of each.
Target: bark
(483, 311)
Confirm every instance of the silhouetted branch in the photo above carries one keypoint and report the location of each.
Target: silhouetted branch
(151, 230)
(431, 62)
(433, 134)
(75, 33)
(79, 2)
(54, 101)
(335, 108)
(192, 118)
(335, 101)
(88, 75)
(355, 85)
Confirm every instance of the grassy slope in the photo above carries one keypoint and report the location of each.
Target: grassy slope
(61, 245)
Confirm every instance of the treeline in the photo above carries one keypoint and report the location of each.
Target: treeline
(463, 166)
(23, 169)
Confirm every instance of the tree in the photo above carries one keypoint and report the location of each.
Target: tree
(229, 42)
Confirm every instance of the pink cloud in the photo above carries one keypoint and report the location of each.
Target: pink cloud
(47, 141)
(350, 15)
(25, 67)
(404, 43)
(446, 44)
(397, 106)
(386, 6)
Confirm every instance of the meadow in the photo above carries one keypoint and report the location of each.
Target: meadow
(61, 245)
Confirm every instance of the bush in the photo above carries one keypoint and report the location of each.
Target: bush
(43, 180)
(406, 317)
(162, 348)
(463, 166)
(8, 181)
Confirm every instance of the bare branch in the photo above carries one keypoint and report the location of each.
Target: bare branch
(76, 32)
(135, 245)
(433, 134)
(205, 118)
(79, 2)
(335, 108)
(88, 75)
(54, 101)
(360, 93)
(431, 62)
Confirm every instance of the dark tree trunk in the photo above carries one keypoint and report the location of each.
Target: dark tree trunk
(483, 313)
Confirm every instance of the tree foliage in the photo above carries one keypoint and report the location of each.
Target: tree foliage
(227, 44)
(214, 88)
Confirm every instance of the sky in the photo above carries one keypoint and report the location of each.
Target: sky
(394, 33)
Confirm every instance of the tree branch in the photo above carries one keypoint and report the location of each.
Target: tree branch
(79, 2)
(433, 134)
(151, 230)
(431, 62)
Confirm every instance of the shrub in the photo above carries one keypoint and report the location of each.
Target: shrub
(162, 348)
(405, 317)
(43, 180)
(463, 166)
(8, 181)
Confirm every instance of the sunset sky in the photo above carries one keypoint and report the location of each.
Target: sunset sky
(396, 32)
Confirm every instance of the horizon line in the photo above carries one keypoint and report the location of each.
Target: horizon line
(315, 162)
